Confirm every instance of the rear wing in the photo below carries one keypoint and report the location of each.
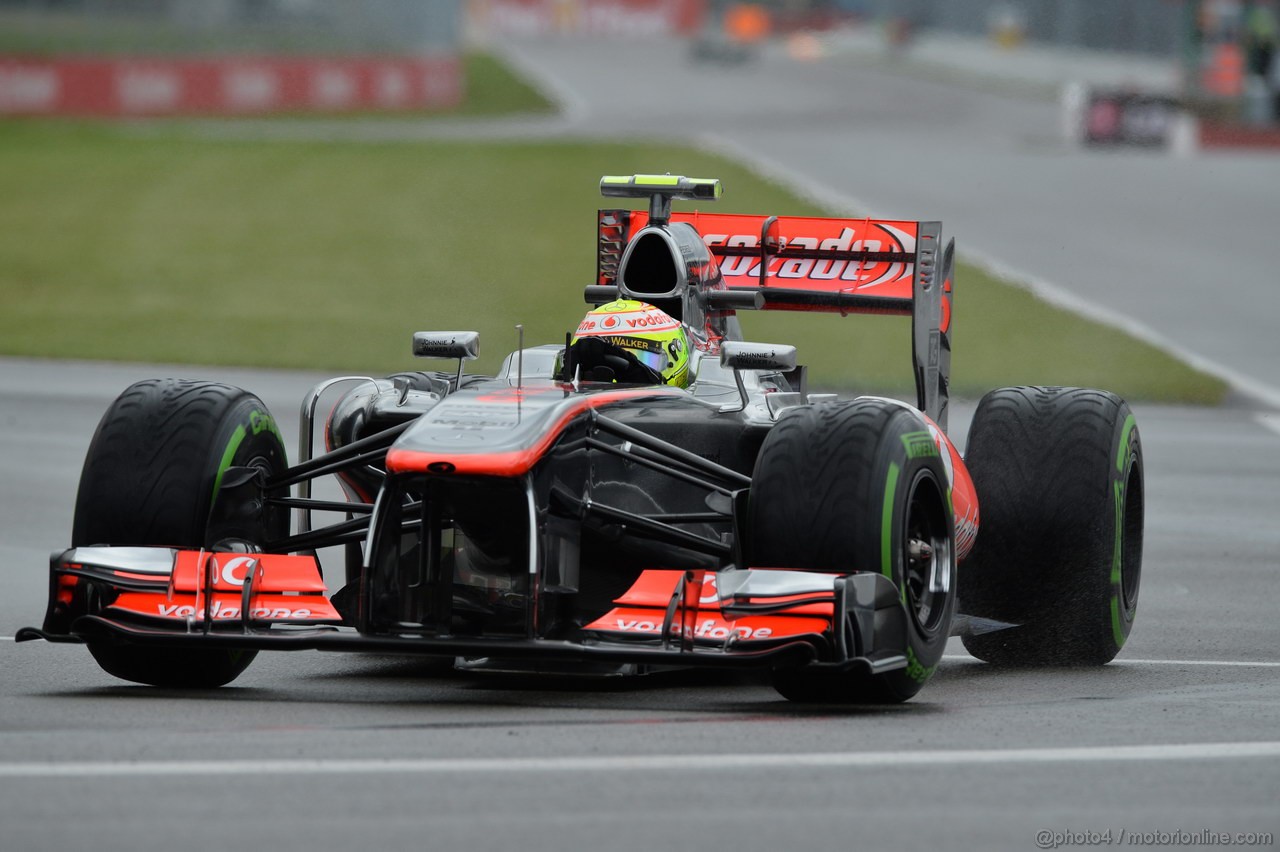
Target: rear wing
(845, 266)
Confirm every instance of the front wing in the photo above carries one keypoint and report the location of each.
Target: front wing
(733, 618)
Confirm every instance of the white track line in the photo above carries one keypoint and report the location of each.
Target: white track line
(1244, 664)
(1060, 297)
(572, 106)
(649, 763)
(1269, 420)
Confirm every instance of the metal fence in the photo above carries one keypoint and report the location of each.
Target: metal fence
(275, 26)
(1144, 26)
(1134, 26)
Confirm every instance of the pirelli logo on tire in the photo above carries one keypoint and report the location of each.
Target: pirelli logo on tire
(919, 445)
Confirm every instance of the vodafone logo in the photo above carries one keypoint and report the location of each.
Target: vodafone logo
(707, 628)
(219, 611)
(710, 594)
(609, 322)
(647, 321)
(235, 571)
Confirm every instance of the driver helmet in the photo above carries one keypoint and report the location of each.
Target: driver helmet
(631, 341)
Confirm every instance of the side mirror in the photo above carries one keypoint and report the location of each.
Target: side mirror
(740, 355)
(463, 345)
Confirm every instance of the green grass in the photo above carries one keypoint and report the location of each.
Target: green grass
(492, 89)
(329, 255)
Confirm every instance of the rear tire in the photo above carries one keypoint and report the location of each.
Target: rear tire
(850, 487)
(1059, 477)
(149, 478)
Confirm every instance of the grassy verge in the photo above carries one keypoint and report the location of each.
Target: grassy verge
(493, 90)
(325, 255)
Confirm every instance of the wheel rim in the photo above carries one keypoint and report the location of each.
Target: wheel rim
(1131, 540)
(214, 536)
(926, 556)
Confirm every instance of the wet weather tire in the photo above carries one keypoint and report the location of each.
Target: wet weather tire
(149, 478)
(859, 486)
(1059, 477)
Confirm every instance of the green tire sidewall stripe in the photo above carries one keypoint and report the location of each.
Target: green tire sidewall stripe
(886, 520)
(1119, 489)
(1122, 454)
(237, 438)
(1117, 625)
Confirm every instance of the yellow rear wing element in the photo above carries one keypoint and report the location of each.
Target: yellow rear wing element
(661, 190)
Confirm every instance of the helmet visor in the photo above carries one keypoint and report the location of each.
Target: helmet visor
(649, 352)
(656, 361)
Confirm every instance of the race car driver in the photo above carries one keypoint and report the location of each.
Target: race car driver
(628, 342)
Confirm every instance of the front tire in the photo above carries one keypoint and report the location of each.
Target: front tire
(150, 477)
(859, 486)
(1059, 476)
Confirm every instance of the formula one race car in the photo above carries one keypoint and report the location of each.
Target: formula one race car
(654, 492)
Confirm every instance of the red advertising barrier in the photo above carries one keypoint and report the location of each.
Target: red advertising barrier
(232, 85)
(601, 18)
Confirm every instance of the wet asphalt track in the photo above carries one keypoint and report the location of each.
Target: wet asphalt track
(316, 751)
